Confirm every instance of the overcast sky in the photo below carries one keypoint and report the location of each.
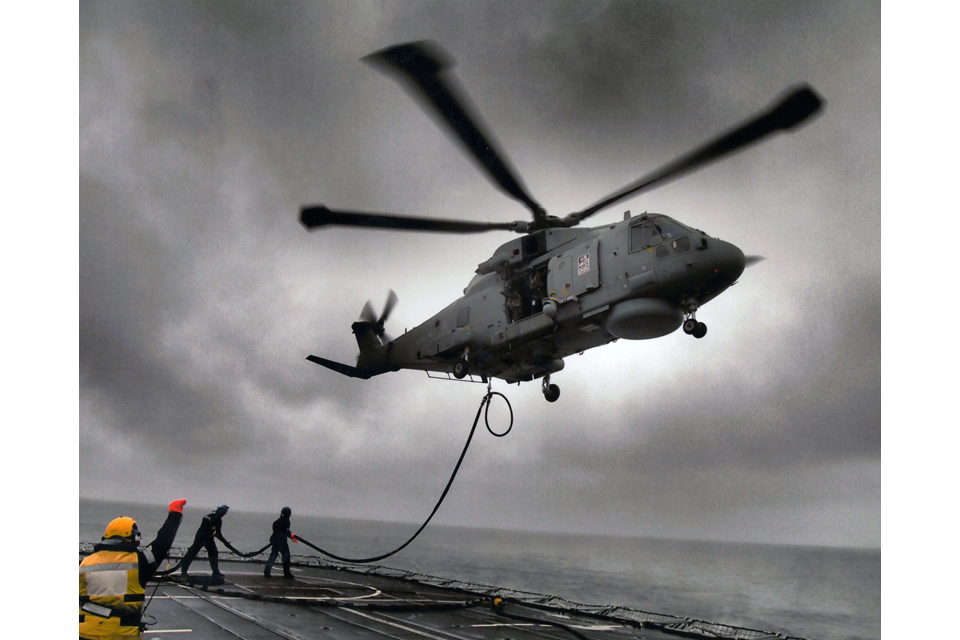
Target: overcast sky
(203, 128)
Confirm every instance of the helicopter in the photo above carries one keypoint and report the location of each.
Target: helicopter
(558, 289)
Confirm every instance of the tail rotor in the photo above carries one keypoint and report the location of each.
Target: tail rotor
(369, 320)
(375, 345)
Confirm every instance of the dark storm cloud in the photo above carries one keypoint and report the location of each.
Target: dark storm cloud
(123, 306)
(205, 125)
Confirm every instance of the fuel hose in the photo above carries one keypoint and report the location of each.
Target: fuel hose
(443, 495)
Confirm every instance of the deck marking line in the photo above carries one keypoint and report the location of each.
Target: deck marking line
(395, 624)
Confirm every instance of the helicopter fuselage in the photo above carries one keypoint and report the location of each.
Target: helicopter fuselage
(558, 289)
(557, 292)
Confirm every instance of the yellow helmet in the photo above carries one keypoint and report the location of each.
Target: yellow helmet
(122, 527)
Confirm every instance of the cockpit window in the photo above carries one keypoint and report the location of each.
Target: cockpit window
(669, 228)
(654, 230)
(644, 235)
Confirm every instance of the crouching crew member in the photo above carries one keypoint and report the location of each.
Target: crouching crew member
(113, 578)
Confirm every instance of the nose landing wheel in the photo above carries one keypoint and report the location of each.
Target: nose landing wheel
(694, 328)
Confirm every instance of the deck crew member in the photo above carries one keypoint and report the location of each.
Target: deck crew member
(113, 577)
(278, 541)
(209, 529)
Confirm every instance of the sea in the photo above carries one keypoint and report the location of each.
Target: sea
(817, 593)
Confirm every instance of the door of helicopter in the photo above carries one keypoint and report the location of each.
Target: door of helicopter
(525, 291)
(574, 273)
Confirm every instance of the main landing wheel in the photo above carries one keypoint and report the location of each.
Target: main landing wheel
(551, 393)
(689, 326)
(461, 369)
(700, 330)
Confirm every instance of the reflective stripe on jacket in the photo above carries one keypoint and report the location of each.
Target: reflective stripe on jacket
(110, 587)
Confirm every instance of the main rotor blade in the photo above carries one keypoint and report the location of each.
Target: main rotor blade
(318, 216)
(796, 106)
(421, 67)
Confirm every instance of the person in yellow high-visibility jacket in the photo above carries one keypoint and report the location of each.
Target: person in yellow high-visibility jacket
(113, 578)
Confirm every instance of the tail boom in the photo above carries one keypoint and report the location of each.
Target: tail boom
(364, 373)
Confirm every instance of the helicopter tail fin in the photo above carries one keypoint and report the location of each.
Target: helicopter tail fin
(362, 372)
(374, 345)
(373, 355)
(367, 338)
(345, 369)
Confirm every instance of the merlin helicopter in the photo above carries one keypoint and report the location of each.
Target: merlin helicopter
(558, 289)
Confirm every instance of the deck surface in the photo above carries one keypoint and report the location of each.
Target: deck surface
(332, 604)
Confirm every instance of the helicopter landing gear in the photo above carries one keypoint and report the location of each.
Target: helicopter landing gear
(550, 391)
(694, 328)
(462, 367)
(691, 326)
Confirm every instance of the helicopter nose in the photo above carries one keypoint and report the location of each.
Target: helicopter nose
(728, 260)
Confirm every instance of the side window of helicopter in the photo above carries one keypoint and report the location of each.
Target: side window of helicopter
(681, 244)
(463, 318)
(662, 252)
(644, 235)
(651, 235)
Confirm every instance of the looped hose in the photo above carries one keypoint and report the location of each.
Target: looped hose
(486, 414)
(473, 429)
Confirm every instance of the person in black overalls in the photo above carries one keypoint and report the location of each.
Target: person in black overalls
(278, 541)
(209, 529)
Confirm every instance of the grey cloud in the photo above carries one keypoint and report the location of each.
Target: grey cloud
(204, 126)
